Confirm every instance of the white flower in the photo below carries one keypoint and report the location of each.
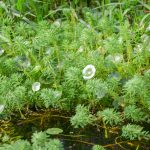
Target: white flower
(81, 49)
(57, 23)
(88, 72)
(118, 58)
(36, 86)
(1, 52)
(148, 28)
(120, 40)
(138, 48)
(1, 108)
(115, 58)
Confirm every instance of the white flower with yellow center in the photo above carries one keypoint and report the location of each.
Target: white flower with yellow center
(88, 72)
(1, 108)
(36, 86)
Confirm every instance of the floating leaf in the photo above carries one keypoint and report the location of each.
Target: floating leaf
(54, 131)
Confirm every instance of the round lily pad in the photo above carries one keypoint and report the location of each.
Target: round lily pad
(54, 131)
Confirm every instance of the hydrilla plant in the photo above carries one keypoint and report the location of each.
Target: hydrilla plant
(134, 113)
(110, 116)
(19, 144)
(82, 117)
(132, 132)
(39, 140)
(50, 97)
(98, 147)
(90, 61)
(97, 88)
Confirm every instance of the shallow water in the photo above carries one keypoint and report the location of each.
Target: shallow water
(73, 139)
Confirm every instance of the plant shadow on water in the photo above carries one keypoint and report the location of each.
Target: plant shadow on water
(72, 139)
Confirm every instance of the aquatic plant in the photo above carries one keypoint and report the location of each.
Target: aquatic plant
(89, 60)
(40, 141)
(82, 117)
(98, 147)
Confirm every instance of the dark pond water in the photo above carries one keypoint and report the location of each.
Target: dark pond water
(72, 139)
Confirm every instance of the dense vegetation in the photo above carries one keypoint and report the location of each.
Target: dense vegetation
(87, 59)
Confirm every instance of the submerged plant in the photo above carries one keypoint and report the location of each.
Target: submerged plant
(89, 60)
(133, 132)
(19, 144)
(50, 97)
(134, 113)
(97, 87)
(98, 147)
(110, 116)
(40, 141)
(82, 117)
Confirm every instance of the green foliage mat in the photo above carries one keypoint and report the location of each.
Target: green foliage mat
(91, 62)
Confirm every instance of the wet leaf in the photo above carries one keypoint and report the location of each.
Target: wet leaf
(54, 131)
